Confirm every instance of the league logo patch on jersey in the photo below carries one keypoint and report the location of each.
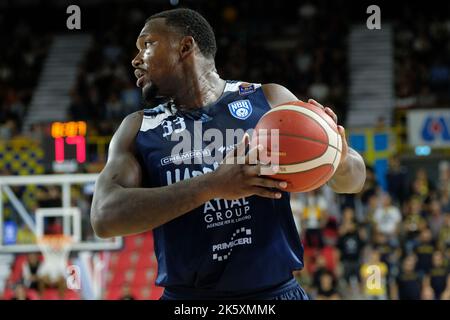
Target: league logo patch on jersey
(241, 109)
(246, 88)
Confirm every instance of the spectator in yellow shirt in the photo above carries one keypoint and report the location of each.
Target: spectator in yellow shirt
(373, 277)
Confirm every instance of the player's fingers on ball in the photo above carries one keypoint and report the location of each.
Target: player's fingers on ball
(268, 170)
(252, 170)
(252, 155)
(240, 147)
(269, 183)
(341, 130)
(266, 193)
(238, 150)
(331, 114)
(314, 102)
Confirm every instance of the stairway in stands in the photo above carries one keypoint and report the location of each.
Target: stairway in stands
(371, 67)
(51, 99)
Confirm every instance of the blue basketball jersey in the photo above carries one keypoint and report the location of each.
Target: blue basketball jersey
(222, 247)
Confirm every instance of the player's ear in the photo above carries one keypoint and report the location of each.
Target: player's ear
(187, 46)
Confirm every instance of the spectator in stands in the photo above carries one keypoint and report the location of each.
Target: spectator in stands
(350, 246)
(79, 110)
(413, 222)
(427, 293)
(314, 218)
(444, 233)
(374, 275)
(370, 185)
(426, 98)
(421, 185)
(50, 197)
(444, 181)
(396, 178)
(348, 218)
(389, 253)
(438, 277)
(408, 285)
(8, 129)
(446, 294)
(30, 271)
(25, 235)
(424, 252)
(327, 287)
(320, 268)
(387, 219)
(435, 217)
(20, 292)
(445, 198)
(114, 108)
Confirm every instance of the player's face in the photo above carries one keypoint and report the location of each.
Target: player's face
(157, 60)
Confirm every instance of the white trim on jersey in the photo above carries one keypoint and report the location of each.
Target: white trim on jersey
(151, 122)
(234, 86)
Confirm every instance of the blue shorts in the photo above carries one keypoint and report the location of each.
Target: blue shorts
(289, 290)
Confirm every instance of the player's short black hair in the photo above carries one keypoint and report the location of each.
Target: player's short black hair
(191, 23)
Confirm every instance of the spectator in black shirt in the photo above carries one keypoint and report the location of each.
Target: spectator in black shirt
(408, 285)
(396, 178)
(389, 252)
(350, 246)
(424, 251)
(327, 287)
(439, 276)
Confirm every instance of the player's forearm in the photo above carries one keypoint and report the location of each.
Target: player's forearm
(132, 210)
(351, 174)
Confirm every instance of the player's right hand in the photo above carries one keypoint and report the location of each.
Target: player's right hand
(241, 175)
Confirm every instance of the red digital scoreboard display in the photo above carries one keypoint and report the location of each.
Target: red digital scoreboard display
(71, 133)
(65, 145)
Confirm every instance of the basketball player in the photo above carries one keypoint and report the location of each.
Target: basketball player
(221, 230)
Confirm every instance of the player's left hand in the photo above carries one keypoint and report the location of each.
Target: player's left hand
(341, 129)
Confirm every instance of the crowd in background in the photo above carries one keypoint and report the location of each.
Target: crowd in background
(304, 53)
(378, 244)
(303, 48)
(422, 60)
(21, 61)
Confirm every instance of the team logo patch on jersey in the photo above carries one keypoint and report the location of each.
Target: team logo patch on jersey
(246, 88)
(241, 109)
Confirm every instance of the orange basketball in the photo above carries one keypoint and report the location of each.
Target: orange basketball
(308, 144)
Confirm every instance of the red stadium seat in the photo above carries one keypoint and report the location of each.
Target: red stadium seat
(8, 294)
(124, 261)
(145, 261)
(329, 253)
(156, 293)
(143, 276)
(50, 294)
(148, 241)
(33, 294)
(110, 295)
(134, 242)
(72, 295)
